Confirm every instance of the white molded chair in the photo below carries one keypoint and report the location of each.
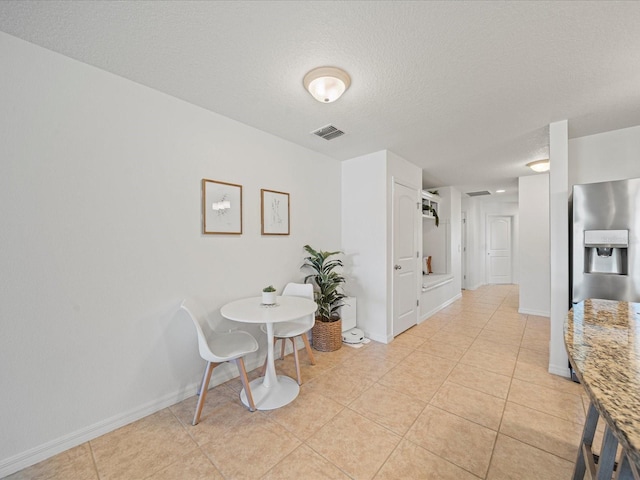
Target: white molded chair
(217, 348)
(295, 328)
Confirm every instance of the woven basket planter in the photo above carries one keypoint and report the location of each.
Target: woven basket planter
(327, 336)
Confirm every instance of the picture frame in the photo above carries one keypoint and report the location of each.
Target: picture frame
(274, 212)
(221, 208)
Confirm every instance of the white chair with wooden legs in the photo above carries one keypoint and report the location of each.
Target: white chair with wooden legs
(296, 328)
(217, 348)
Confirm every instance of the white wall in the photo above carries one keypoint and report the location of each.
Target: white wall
(605, 157)
(558, 244)
(367, 239)
(475, 257)
(100, 241)
(364, 239)
(534, 244)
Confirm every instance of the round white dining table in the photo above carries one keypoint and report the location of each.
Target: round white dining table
(271, 391)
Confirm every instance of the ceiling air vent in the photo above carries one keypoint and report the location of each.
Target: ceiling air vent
(328, 133)
(479, 193)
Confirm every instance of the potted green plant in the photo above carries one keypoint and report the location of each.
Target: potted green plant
(327, 331)
(268, 295)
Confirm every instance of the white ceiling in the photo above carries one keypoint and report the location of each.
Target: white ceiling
(465, 90)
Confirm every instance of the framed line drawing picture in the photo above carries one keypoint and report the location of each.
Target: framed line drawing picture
(274, 214)
(221, 207)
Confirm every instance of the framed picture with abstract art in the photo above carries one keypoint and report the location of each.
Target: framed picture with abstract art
(221, 207)
(274, 212)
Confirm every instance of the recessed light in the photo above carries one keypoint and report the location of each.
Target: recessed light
(500, 191)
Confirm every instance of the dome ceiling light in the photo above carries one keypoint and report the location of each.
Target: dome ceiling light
(326, 84)
(539, 165)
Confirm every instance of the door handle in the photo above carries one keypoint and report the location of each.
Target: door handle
(397, 267)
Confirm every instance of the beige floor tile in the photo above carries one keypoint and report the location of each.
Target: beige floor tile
(491, 346)
(428, 363)
(554, 402)
(535, 340)
(506, 326)
(393, 352)
(409, 341)
(481, 380)
(371, 367)
(537, 321)
(337, 357)
(341, 384)
(463, 328)
(194, 466)
(216, 397)
(217, 419)
(287, 366)
(410, 461)
(414, 382)
(496, 363)
(473, 405)
(538, 429)
(510, 317)
(142, 448)
(355, 444)
(507, 308)
(251, 450)
(495, 300)
(306, 414)
(443, 350)
(380, 404)
(464, 443)
(500, 336)
(532, 367)
(304, 463)
(426, 329)
(76, 463)
(455, 339)
(514, 460)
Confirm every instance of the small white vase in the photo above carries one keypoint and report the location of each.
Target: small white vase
(268, 298)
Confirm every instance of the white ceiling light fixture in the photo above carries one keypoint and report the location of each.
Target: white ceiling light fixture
(539, 165)
(500, 191)
(326, 84)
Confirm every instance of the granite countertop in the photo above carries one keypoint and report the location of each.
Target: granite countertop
(603, 342)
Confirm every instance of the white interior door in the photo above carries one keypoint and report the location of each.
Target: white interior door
(405, 258)
(498, 249)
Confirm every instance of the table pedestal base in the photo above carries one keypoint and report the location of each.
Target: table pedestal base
(282, 392)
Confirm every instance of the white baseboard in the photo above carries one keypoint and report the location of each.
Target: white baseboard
(378, 338)
(73, 439)
(560, 370)
(433, 311)
(538, 313)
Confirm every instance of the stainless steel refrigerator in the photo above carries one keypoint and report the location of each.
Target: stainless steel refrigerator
(605, 241)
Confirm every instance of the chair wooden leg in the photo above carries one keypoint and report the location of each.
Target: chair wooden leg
(295, 356)
(245, 383)
(284, 342)
(307, 346)
(204, 387)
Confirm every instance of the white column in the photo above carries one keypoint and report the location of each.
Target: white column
(559, 243)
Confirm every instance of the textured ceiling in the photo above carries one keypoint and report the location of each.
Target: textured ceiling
(465, 90)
